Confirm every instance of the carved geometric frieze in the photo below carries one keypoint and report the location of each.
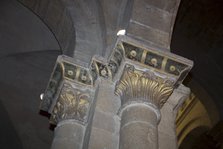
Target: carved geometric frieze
(159, 62)
(128, 51)
(108, 68)
(70, 92)
(137, 86)
(100, 69)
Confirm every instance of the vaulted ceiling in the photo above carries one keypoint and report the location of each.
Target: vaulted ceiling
(27, 53)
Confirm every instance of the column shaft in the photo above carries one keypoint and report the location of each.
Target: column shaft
(138, 127)
(68, 135)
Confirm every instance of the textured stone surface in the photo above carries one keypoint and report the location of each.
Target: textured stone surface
(102, 139)
(138, 113)
(167, 123)
(104, 121)
(93, 30)
(68, 135)
(107, 101)
(138, 135)
(79, 33)
(154, 37)
(152, 21)
(167, 141)
(105, 126)
(167, 126)
(138, 128)
(151, 16)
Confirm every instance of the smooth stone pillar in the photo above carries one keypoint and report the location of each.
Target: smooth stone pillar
(139, 127)
(68, 135)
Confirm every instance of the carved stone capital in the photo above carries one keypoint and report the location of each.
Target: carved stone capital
(71, 104)
(136, 86)
(144, 74)
(154, 75)
(70, 92)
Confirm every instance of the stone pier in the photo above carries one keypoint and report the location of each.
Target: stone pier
(137, 75)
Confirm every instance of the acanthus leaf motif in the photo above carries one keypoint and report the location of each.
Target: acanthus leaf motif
(72, 104)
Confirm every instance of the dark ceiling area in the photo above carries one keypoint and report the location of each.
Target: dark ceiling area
(28, 51)
(198, 35)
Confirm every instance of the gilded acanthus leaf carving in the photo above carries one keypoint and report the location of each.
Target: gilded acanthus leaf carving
(72, 104)
(146, 88)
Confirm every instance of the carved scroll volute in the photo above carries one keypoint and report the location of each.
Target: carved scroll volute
(135, 86)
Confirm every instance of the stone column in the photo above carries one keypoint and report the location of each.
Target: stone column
(145, 80)
(138, 127)
(142, 96)
(68, 135)
(69, 98)
(143, 77)
(70, 113)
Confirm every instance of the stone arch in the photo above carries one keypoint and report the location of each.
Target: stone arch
(192, 114)
(77, 25)
(194, 38)
(207, 101)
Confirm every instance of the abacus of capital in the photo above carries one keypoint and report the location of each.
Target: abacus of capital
(142, 77)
